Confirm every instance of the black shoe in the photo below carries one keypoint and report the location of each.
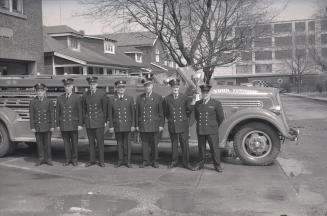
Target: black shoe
(119, 164)
(128, 165)
(101, 164)
(199, 166)
(89, 164)
(155, 164)
(190, 167)
(75, 163)
(172, 165)
(39, 163)
(144, 164)
(49, 163)
(65, 163)
(218, 168)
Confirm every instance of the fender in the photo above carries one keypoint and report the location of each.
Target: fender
(9, 118)
(247, 114)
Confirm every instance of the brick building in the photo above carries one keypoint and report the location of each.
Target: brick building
(21, 40)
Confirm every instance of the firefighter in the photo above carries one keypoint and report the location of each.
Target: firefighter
(69, 120)
(42, 123)
(121, 117)
(177, 110)
(94, 104)
(149, 122)
(209, 115)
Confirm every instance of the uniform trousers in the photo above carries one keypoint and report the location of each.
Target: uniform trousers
(183, 140)
(150, 140)
(70, 142)
(96, 143)
(43, 140)
(213, 140)
(123, 146)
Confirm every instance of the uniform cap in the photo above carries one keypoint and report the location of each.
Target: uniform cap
(205, 88)
(147, 81)
(92, 79)
(174, 82)
(120, 83)
(68, 81)
(39, 86)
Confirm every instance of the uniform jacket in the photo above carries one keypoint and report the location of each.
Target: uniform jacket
(177, 112)
(149, 112)
(208, 116)
(121, 113)
(94, 109)
(69, 112)
(42, 116)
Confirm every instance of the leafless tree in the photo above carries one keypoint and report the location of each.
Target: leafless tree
(198, 33)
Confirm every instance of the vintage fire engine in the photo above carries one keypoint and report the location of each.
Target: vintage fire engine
(255, 124)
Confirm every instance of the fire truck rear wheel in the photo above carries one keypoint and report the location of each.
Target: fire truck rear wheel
(257, 144)
(6, 147)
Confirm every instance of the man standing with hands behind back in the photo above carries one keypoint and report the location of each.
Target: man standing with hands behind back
(69, 120)
(149, 122)
(94, 104)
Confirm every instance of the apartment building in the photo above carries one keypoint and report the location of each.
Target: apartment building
(270, 56)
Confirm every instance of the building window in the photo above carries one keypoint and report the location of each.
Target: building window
(246, 56)
(157, 55)
(283, 28)
(263, 68)
(323, 24)
(283, 54)
(283, 41)
(324, 52)
(15, 6)
(263, 30)
(312, 39)
(109, 47)
(138, 57)
(165, 63)
(323, 38)
(263, 55)
(300, 40)
(171, 64)
(300, 27)
(73, 43)
(300, 53)
(263, 42)
(243, 69)
(311, 25)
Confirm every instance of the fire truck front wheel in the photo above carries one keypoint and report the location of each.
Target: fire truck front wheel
(6, 147)
(257, 144)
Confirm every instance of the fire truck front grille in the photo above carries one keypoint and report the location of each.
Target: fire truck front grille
(19, 105)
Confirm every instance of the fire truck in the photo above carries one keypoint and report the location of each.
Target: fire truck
(254, 128)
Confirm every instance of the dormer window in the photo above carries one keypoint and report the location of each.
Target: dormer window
(109, 47)
(138, 57)
(73, 43)
(15, 6)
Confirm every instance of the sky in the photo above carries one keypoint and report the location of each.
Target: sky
(68, 12)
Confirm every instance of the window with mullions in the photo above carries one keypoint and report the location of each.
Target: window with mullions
(15, 6)
(109, 47)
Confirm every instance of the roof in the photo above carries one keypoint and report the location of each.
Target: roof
(132, 38)
(60, 29)
(129, 50)
(87, 55)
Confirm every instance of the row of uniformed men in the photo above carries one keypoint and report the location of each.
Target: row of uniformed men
(123, 117)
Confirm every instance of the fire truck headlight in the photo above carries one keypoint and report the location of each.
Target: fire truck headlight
(276, 110)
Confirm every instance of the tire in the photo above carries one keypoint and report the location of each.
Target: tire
(6, 146)
(257, 144)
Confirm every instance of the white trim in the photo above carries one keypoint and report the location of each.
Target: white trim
(65, 34)
(155, 40)
(159, 66)
(134, 52)
(93, 37)
(106, 66)
(70, 58)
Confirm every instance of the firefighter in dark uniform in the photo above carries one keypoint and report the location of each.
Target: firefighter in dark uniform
(149, 122)
(121, 117)
(69, 120)
(42, 123)
(209, 115)
(177, 110)
(94, 103)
